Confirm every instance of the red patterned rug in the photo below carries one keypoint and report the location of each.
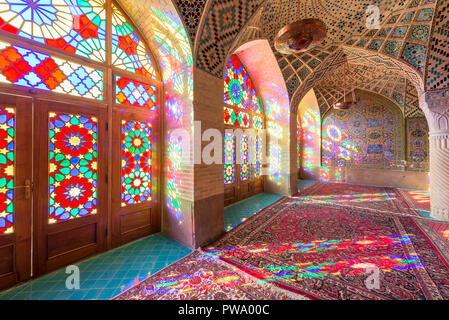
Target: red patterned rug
(328, 251)
(203, 277)
(331, 241)
(417, 199)
(347, 195)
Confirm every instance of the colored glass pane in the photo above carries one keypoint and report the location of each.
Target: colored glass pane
(257, 122)
(135, 93)
(76, 26)
(136, 162)
(72, 166)
(7, 133)
(239, 89)
(236, 117)
(258, 150)
(128, 50)
(33, 69)
(229, 158)
(244, 159)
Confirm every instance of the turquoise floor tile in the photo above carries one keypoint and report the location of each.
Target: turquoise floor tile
(106, 275)
(237, 212)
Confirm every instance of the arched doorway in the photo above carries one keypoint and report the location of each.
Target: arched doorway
(242, 175)
(80, 99)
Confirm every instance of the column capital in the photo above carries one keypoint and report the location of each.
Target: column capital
(438, 112)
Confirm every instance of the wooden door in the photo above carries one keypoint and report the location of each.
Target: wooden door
(245, 183)
(135, 192)
(70, 220)
(15, 189)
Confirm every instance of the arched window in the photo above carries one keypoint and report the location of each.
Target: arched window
(79, 126)
(243, 110)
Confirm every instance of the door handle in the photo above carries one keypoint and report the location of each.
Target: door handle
(28, 186)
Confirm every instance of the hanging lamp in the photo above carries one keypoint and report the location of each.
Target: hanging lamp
(300, 36)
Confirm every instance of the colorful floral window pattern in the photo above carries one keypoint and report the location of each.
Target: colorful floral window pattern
(244, 159)
(76, 26)
(229, 158)
(33, 69)
(257, 122)
(128, 50)
(136, 162)
(72, 166)
(135, 93)
(239, 89)
(236, 118)
(258, 164)
(7, 134)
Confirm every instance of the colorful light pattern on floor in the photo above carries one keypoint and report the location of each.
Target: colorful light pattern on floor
(344, 198)
(311, 269)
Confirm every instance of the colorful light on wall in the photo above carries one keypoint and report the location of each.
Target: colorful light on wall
(72, 166)
(7, 157)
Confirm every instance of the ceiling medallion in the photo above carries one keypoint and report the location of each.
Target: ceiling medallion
(300, 36)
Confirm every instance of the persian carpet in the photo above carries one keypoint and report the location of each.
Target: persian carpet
(417, 199)
(204, 277)
(328, 251)
(347, 195)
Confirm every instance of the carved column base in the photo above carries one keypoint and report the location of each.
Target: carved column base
(439, 176)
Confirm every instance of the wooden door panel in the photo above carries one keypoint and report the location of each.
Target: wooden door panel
(15, 171)
(70, 183)
(135, 216)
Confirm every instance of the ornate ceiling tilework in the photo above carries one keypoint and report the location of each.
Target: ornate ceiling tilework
(437, 75)
(424, 15)
(392, 47)
(191, 11)
(415, 55)
(419, 33)
(223, 22)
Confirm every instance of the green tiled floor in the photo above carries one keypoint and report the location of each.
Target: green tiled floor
(106, 275)
(235, 213)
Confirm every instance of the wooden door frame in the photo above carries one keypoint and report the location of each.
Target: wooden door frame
(42, 229)
(120, 214)
(19, 241)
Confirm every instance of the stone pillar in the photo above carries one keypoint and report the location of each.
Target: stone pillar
(438, 117)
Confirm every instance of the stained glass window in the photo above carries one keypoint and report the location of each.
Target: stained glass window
(236, 117)
(76, 26)
(258, 150)
(136, 162)
(33, 69)
(135, 93)
(244, 159)
(7, 134)
(239, 89)
(128, 50)
(229, 158)
(72, 166)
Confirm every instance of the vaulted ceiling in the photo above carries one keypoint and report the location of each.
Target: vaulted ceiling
(404, 42)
